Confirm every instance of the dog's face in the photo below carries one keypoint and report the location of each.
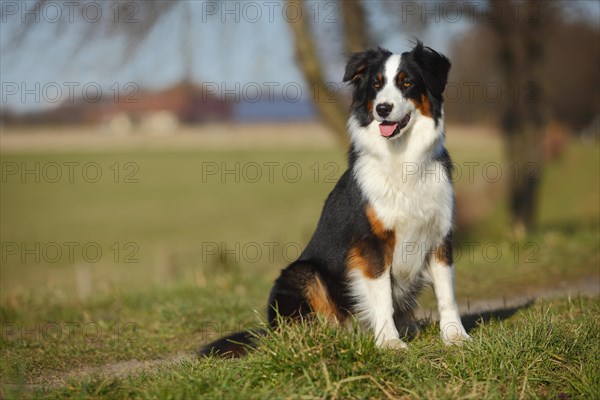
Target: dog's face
(393, 91)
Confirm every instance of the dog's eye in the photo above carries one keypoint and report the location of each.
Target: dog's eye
(377, 84)
(407, 84)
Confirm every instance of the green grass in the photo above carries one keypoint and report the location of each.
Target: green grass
(546, 351)
(179, 293)
(169, 215)
(171, 221)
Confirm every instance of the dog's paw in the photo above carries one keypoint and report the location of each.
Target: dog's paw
(394, 344)
(453, 333)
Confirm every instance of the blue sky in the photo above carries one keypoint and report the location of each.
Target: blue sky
(233, 43)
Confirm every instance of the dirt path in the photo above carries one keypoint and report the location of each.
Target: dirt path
(588, 287)
(113, 370)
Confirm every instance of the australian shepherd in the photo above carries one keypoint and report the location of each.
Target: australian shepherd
(386, 228)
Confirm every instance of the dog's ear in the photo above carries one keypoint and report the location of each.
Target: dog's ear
(434, 68)
(359, 63)
(357, 66)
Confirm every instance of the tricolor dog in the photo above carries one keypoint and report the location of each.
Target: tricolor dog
(386, 228)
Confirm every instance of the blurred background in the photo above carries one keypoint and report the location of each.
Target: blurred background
(148, 145)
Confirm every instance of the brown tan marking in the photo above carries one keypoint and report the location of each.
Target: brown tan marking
(373, 255)
(376, 225)
(443, 253)
(357, 259)
(319, 300)
(378, 81)
(359, 72)
(400, 78)
(387, 237)
(424, 106)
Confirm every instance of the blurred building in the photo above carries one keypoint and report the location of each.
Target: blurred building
(161, 112)
(180, 104)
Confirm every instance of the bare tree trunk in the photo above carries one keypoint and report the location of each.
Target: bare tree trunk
(326, 99)
(356, 34)
(520, 56)
(356, 38)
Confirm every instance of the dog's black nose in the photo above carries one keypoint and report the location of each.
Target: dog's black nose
(384, 109)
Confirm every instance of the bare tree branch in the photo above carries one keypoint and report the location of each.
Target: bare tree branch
(133, 20)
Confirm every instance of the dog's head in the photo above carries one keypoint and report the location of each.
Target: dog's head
(394, 91)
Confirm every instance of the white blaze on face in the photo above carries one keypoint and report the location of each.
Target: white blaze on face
(391, 94)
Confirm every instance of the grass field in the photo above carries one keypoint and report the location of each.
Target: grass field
(113, 255)
(546, 351)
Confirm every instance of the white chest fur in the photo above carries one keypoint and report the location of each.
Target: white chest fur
(411, 194)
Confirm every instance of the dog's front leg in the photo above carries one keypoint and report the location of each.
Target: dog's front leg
(374, 306)
(442, 276)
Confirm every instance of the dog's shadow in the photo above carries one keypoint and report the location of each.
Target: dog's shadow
(473, 320)
(410, 329)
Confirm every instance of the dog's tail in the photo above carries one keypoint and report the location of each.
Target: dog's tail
(232, 346)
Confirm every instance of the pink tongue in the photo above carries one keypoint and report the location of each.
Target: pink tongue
(387, 130)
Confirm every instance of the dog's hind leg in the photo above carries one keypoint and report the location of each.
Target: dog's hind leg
(299, 291)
